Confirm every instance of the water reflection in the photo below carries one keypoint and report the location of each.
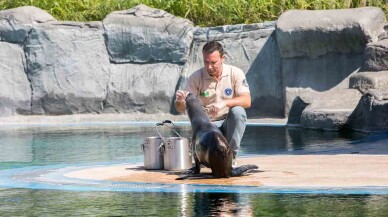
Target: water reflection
(222, 204)
(24, 202)
(291, 140)
(16, 147)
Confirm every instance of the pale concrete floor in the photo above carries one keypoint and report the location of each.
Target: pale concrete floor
(276, 171)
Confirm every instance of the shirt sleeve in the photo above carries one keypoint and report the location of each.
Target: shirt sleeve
(241, 83)
(192, 83)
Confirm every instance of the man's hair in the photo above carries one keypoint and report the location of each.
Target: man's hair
(212, 46)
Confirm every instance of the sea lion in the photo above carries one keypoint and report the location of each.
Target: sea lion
(211, 149)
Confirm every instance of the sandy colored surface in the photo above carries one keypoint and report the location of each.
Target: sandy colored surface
(279, 170)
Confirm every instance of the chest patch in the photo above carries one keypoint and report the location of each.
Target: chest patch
(228, 91)
(204, 93)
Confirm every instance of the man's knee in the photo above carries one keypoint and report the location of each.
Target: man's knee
(238, 113)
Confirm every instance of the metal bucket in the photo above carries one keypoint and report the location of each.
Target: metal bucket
(153, 154)
(177, 153)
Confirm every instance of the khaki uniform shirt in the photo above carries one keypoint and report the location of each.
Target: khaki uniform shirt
(209, 90)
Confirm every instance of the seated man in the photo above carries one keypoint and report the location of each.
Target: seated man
(223, 90)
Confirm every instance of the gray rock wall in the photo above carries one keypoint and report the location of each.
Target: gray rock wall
(134, 61)
(16, 23)
(146, 35)
(148, 88)
(315, 33)
(71, 67)
(15, 94)
(68, 66)
(371, 112)
(321, 49)
(376, 54)
(322, 73)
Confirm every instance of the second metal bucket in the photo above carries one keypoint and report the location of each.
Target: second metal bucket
(177, 153)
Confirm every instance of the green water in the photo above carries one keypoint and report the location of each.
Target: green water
(22, 147)
(25, 202)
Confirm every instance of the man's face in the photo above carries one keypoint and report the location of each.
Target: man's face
(213, 63)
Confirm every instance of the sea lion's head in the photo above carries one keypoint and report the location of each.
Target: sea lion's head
(189, 95)
(194, 106)
(193, 101)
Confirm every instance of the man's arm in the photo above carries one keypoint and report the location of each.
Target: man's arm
(243, 99)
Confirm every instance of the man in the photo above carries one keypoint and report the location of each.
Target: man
(223, 90)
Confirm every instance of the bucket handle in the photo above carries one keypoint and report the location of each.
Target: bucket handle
(164, 123)
(160, 148)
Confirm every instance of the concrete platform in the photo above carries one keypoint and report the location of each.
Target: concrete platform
(112, 119)
(296, 171)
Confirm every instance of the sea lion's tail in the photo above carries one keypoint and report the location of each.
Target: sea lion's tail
(241, 170)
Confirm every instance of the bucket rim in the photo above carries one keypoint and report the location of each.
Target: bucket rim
(153, 137)
(176, 138)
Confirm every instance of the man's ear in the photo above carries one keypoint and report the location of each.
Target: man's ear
(223, 58)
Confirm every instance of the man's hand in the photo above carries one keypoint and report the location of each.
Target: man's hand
(181, 95)
(180, 100)
(216, 107)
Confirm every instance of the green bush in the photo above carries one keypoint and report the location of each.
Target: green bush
(201, 12)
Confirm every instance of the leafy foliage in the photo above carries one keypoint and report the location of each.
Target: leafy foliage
(201, 12)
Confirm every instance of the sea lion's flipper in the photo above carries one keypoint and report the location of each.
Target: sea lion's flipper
(187, 173)
(241, 170)
(184, 177)
(192, 170)
(196, 176)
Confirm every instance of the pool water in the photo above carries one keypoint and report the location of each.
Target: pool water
(25, 202)
(61, 145)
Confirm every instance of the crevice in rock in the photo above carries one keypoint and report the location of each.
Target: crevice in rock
(25, 65)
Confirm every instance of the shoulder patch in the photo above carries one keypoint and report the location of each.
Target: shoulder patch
(245, 83)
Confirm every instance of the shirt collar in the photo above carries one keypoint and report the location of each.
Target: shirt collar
(225, 72)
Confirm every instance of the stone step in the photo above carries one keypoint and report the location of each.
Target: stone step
(371, 113)
(376, 55)
(364, 81)
(330, 110)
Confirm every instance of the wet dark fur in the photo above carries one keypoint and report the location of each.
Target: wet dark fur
(208, 140)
